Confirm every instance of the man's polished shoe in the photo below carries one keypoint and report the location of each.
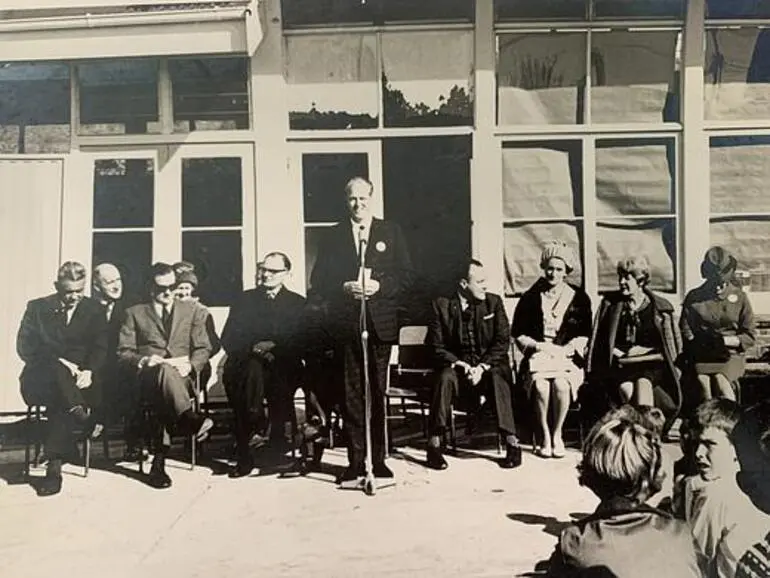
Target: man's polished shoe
(49, 486)
(382, 471)
(159, 479)
(512, 457)
(351, 473)
(242, 469)
(435, 459)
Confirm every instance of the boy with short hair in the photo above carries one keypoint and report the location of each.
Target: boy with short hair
(723, 520)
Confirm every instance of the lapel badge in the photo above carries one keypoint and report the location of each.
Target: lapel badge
(732, 298)
(381, 246)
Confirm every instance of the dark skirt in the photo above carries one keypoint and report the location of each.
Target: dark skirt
(733, 369)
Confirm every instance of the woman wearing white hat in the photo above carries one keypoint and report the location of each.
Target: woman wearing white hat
(551, 326)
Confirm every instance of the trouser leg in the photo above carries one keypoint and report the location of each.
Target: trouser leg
(445, 390)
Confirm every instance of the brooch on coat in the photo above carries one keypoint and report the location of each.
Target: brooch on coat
(380, 246)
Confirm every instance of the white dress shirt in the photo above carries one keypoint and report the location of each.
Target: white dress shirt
(359, 233)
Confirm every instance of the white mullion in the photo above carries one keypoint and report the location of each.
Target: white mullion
(536, 131)
(165, 98)
(380, 68)
(587, 95)
(590, 235)
(248, 216)
(74, 106)
(167, 228)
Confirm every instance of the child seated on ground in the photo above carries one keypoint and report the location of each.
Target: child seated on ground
(624, 537)
(722, 518)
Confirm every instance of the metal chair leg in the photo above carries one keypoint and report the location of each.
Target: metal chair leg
(28, 441)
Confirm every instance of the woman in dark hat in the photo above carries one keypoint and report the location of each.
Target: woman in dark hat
(717, 326)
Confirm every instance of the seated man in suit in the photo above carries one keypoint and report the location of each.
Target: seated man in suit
(469, 332)
(261, 338)
(165, 342)
(63, 344)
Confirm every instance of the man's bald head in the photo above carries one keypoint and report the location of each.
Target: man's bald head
(108, 285)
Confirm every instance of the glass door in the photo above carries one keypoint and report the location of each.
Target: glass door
(320, 171)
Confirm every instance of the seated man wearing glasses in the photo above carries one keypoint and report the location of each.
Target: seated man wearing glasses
(165, 342)
(261, 338)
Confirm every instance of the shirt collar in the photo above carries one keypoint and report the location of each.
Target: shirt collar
(367, 224)
(159, 308)
(273, 292)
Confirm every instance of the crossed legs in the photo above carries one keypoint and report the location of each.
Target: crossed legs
(716, 385)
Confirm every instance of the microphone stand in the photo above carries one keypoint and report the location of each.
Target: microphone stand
(368, 483)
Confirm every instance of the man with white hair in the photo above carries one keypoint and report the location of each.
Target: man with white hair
(62, 341)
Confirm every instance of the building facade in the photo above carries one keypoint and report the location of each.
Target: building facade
(215, 132)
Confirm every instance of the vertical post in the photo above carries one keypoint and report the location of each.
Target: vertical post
(695, 192)
(486, 169)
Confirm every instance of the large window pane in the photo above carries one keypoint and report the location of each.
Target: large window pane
(621, 239)
(332, 81)
(119, 97)
(737, 74)
(542, 179)
(523, 245)
(123, 193)
(131, 253)
(218, 263)
(212, 192)
(635, 177)
(747, 240)
(426, 78)
(740, 173)
(324, 176)
(210, 93)
(34, 108)
(737, 9)
(540, 9)
(541, 78)
(633, 76)
(639, 8)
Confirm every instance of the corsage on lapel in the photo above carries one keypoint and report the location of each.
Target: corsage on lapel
(380, 246)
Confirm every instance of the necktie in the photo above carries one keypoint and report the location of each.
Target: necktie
(108, 311)
(166, 320)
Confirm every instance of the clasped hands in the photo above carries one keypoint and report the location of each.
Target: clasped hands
(356, 290)
(83, 377)
(182, 365)
(473, 373)
(634, 351)
(264, 349)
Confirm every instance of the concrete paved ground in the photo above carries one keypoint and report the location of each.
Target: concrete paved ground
(474, 519)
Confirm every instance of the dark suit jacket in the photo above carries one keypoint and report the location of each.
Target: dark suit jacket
(255, 318)
(142, 334)
(444, 331)
(388, 257)
(43, 337)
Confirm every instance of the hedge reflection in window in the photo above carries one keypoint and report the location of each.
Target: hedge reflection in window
(737, 9)
(118, 97)
(304, 13)
(210, 93)
(332, 81)
(123, 193)
(541, 78)
(131, 253)
(218, 260)
(212, 192)
(34, 108)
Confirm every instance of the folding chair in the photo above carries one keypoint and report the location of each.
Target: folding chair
(409, 358)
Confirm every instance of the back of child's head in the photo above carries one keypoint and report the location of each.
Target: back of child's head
(647, 416)
(719, 413)
(751, 438)
(621, 458)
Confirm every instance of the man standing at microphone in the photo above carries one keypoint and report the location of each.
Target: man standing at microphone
(337, 282)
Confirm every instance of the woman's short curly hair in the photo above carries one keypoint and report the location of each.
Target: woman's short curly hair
(621, 458)
(637, 267)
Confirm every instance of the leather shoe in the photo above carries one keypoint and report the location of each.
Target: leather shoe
(159, 479)
(351, 473)
(435, 459)
(382, 471)
(512, 457)
(49, 486)
(242, 469)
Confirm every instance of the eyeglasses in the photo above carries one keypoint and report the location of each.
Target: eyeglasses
(163, 288)
(273, 271)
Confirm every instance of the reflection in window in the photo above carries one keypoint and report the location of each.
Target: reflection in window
(210, 93)
(746, 239)
(123, 193)
(541, 78)
(34, 108)
(737, 9)
(426, 78)
(119, 97)
(131, 253)
(637, 9)
(737, 74)
(740, 173)
(523, 245)
(635, 177)
(298, 13)
(542, 179)
(211, 192)
(324, 177)
(218, 264)
(633, 76)
(332, 81)
(540, 9)
(621, 239)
